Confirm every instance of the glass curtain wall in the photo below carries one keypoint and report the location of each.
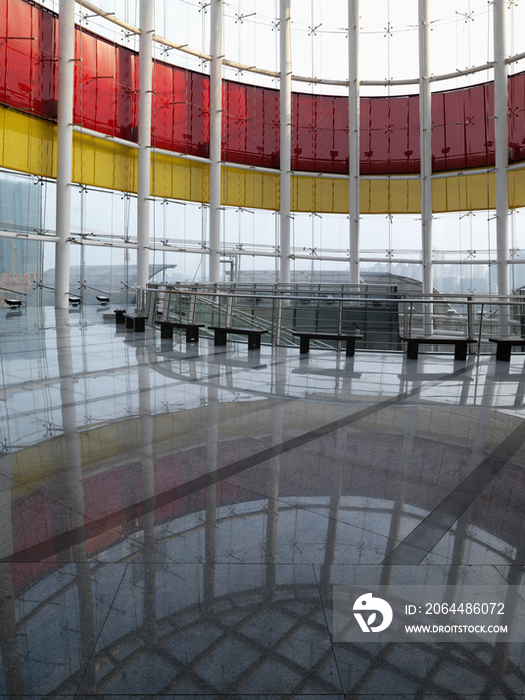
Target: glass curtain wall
(106, 79)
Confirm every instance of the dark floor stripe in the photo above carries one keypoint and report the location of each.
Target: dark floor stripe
(59, 543)
(423, 538)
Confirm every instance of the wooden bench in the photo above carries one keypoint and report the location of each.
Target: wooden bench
(460, 345)
(136, 323)
(504, 346)
(254, 335)
(192, 330)
(305, 338)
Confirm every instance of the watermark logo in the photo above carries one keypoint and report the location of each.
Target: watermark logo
(368, 604)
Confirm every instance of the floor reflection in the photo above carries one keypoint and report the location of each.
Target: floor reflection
(173, 519)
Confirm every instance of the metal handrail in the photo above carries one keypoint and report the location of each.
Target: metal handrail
(463, 314)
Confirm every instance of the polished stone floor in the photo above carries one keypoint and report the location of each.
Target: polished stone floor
(174, 518)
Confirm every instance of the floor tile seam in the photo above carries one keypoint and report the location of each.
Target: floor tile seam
(37, 383)
(353, 416)
(108, 612)
(243, 390)
(329, 629)
(97, 526)
(295, 506)
(478, 479)
(92, 401)
(228, 631)
(300, 622)
(196, 382)
(275, 657)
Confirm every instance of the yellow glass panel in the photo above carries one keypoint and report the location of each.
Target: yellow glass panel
(374, 197)
(516, 188)
(180, 178)
(470, 192)
(250, 188)
(102, 163)
(29, 145)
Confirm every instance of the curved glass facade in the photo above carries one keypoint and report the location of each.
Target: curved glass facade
(106, 94)
(177, 512)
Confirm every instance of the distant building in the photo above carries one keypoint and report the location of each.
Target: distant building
(21, 261)
(108, 279)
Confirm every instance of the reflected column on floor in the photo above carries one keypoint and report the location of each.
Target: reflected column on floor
(463, 524)
(500, 662)
(149, 550)
(12, 666)
(274, 471)
(500, 652)
(75, 496)
(336, 472)
(407, 451)
(210, 529)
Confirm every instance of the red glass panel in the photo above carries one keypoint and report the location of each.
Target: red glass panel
(181, 120)
(3, 51)
(439, 140)
(413, 150)
(125, 93)
(327, 156)
(378, 136)
(302, 132)
(478, 143)
(45, 64)
(365, 140)
(105, 100)
(340, 143)
(84, 108)
(453, 118)
(198, 122)
(105, 88)
(390, 134)
(234, 123)
(17, 37)
(163, 114)
(319, 133)
(263, 127)
(250, 125)
(489, 124)
(517, 117)
(462, 132)
(404, 134)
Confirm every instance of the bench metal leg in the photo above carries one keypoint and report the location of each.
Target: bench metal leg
(192, 334)
(503, 351)
(254, 341)
(460, 351)
(350, 347)
(166, 331)
(129, 323)
(304, 345)
(412, 349)
(220, 337)
(140, 325)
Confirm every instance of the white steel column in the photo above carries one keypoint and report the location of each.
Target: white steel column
(425, 143)
(285, 160)
(215, 137)
(66, 67)
(354, 135)
(144, 139)
(501, 147)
